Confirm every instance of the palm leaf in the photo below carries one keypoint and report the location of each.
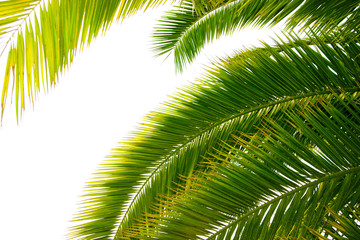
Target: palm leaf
(277, 184)
(234, 97)
(184, 31)
(12, 14)
(40, 47)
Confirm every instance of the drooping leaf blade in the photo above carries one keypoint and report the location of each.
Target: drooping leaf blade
(44, 37)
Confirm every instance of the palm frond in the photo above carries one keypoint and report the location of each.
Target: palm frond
(235, 97)
(43, 46)
(12, 15)
(184, 32)
(274, 184)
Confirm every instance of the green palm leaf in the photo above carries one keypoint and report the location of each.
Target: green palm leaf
(12, 14)
(235, 97)
(276, 185)
(184, 32)
(40, 47)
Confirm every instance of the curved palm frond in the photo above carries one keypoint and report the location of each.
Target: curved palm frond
(42, 46)
(233, 98)
(184, 32)
(275, 183)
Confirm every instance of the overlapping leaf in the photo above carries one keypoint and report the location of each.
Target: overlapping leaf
(234, 98)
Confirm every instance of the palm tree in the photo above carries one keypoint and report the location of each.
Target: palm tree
(265, 146)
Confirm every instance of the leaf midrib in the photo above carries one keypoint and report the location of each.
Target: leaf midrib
(230, 118)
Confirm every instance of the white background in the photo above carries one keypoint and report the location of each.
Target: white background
(47, 158)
